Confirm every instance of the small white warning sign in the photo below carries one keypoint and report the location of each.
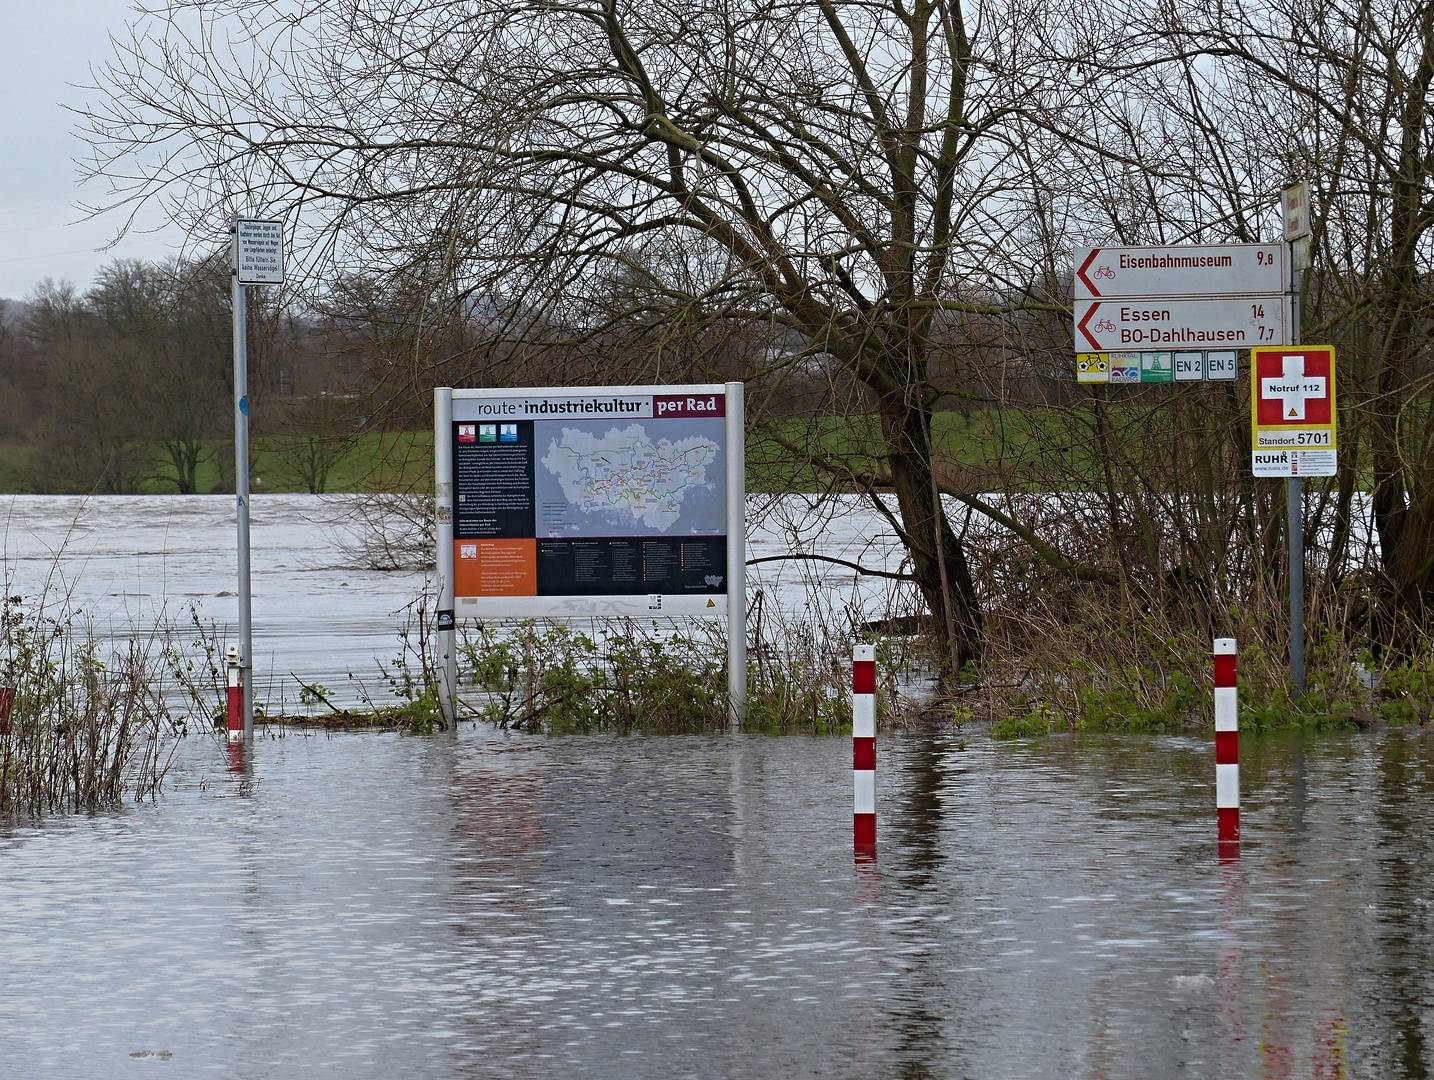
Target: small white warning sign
(259, 252)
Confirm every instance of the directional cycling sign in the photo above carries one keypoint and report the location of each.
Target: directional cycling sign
(1292, 411)
(1207, 322)
(1180, 270)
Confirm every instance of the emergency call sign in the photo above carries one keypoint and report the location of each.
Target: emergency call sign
(1293, 414)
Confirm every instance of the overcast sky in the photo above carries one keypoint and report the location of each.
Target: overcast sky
(46, 49)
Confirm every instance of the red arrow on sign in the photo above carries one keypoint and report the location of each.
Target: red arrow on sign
(1096, 345)
(1086, 266)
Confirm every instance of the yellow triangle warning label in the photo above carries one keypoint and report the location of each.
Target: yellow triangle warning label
(1292, 411)
(711, 603)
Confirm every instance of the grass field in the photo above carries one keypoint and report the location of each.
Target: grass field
(987, 450)
(403, 461)
(381, 461)
(978, 444)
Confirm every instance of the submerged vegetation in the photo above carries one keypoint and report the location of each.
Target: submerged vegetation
(83, 723)
(662, 679)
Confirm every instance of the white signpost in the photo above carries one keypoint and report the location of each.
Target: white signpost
(260, 251)
(1203, 303)
(258, 259)
(563, 502)
(1189, 270)
(1180, 323)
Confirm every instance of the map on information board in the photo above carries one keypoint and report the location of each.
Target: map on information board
(655, 477)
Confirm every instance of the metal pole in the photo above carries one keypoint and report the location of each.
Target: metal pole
(443, 556)
(1295, 523)
(241, 486)
(1294, 511)
(736, 554)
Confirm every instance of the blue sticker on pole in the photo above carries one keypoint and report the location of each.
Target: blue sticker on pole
(244, 405)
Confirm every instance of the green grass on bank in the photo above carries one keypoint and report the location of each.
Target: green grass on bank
(402, 461)
(787, 457)
(378, 461)
(992, 449)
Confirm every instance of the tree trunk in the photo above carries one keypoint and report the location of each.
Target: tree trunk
(1403, 498)
(939, 563)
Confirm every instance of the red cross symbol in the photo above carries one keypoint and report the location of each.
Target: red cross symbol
(1294, 386)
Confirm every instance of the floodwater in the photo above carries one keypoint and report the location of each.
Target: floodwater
(488, 905)
(320, 613)
(483, 905)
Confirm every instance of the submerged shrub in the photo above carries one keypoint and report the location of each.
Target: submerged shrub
(83, 729)
(636, 676)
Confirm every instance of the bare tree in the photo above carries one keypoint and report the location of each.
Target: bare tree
(93, 438)
(836, 172)
(173, 319)
(1349, 87)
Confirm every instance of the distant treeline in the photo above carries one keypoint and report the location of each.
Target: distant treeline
(127, 386)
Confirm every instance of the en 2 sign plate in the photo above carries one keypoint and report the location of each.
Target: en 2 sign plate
(1293, 414)
(259, 252)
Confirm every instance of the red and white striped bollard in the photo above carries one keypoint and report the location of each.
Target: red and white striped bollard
(235, 665)
(863, 746)
(1227, 743)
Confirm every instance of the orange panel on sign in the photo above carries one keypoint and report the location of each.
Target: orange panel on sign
(495, 567)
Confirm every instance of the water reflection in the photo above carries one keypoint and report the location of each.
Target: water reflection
(488, 905)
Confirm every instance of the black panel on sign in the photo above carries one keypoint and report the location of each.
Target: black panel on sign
(493, 479)
(632, 566)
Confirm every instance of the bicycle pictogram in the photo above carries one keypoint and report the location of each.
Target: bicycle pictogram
(1104, 272)
(1105, 326)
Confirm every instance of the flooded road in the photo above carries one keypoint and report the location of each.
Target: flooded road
(484, 905)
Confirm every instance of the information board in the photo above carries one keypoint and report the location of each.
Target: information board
(259, 251)
(611, 500)
(1293, 415)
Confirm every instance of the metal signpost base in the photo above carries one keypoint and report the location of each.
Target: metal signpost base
(443, 555)
(1295, 521)
(1294, 510)
(1294, 208)
(736, 554)
(258, 260)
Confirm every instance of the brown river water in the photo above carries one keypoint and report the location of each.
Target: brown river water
(483, 905)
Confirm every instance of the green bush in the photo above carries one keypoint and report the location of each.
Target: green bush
(553, 677)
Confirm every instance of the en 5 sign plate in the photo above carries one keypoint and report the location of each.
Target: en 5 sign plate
(1292, 411)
